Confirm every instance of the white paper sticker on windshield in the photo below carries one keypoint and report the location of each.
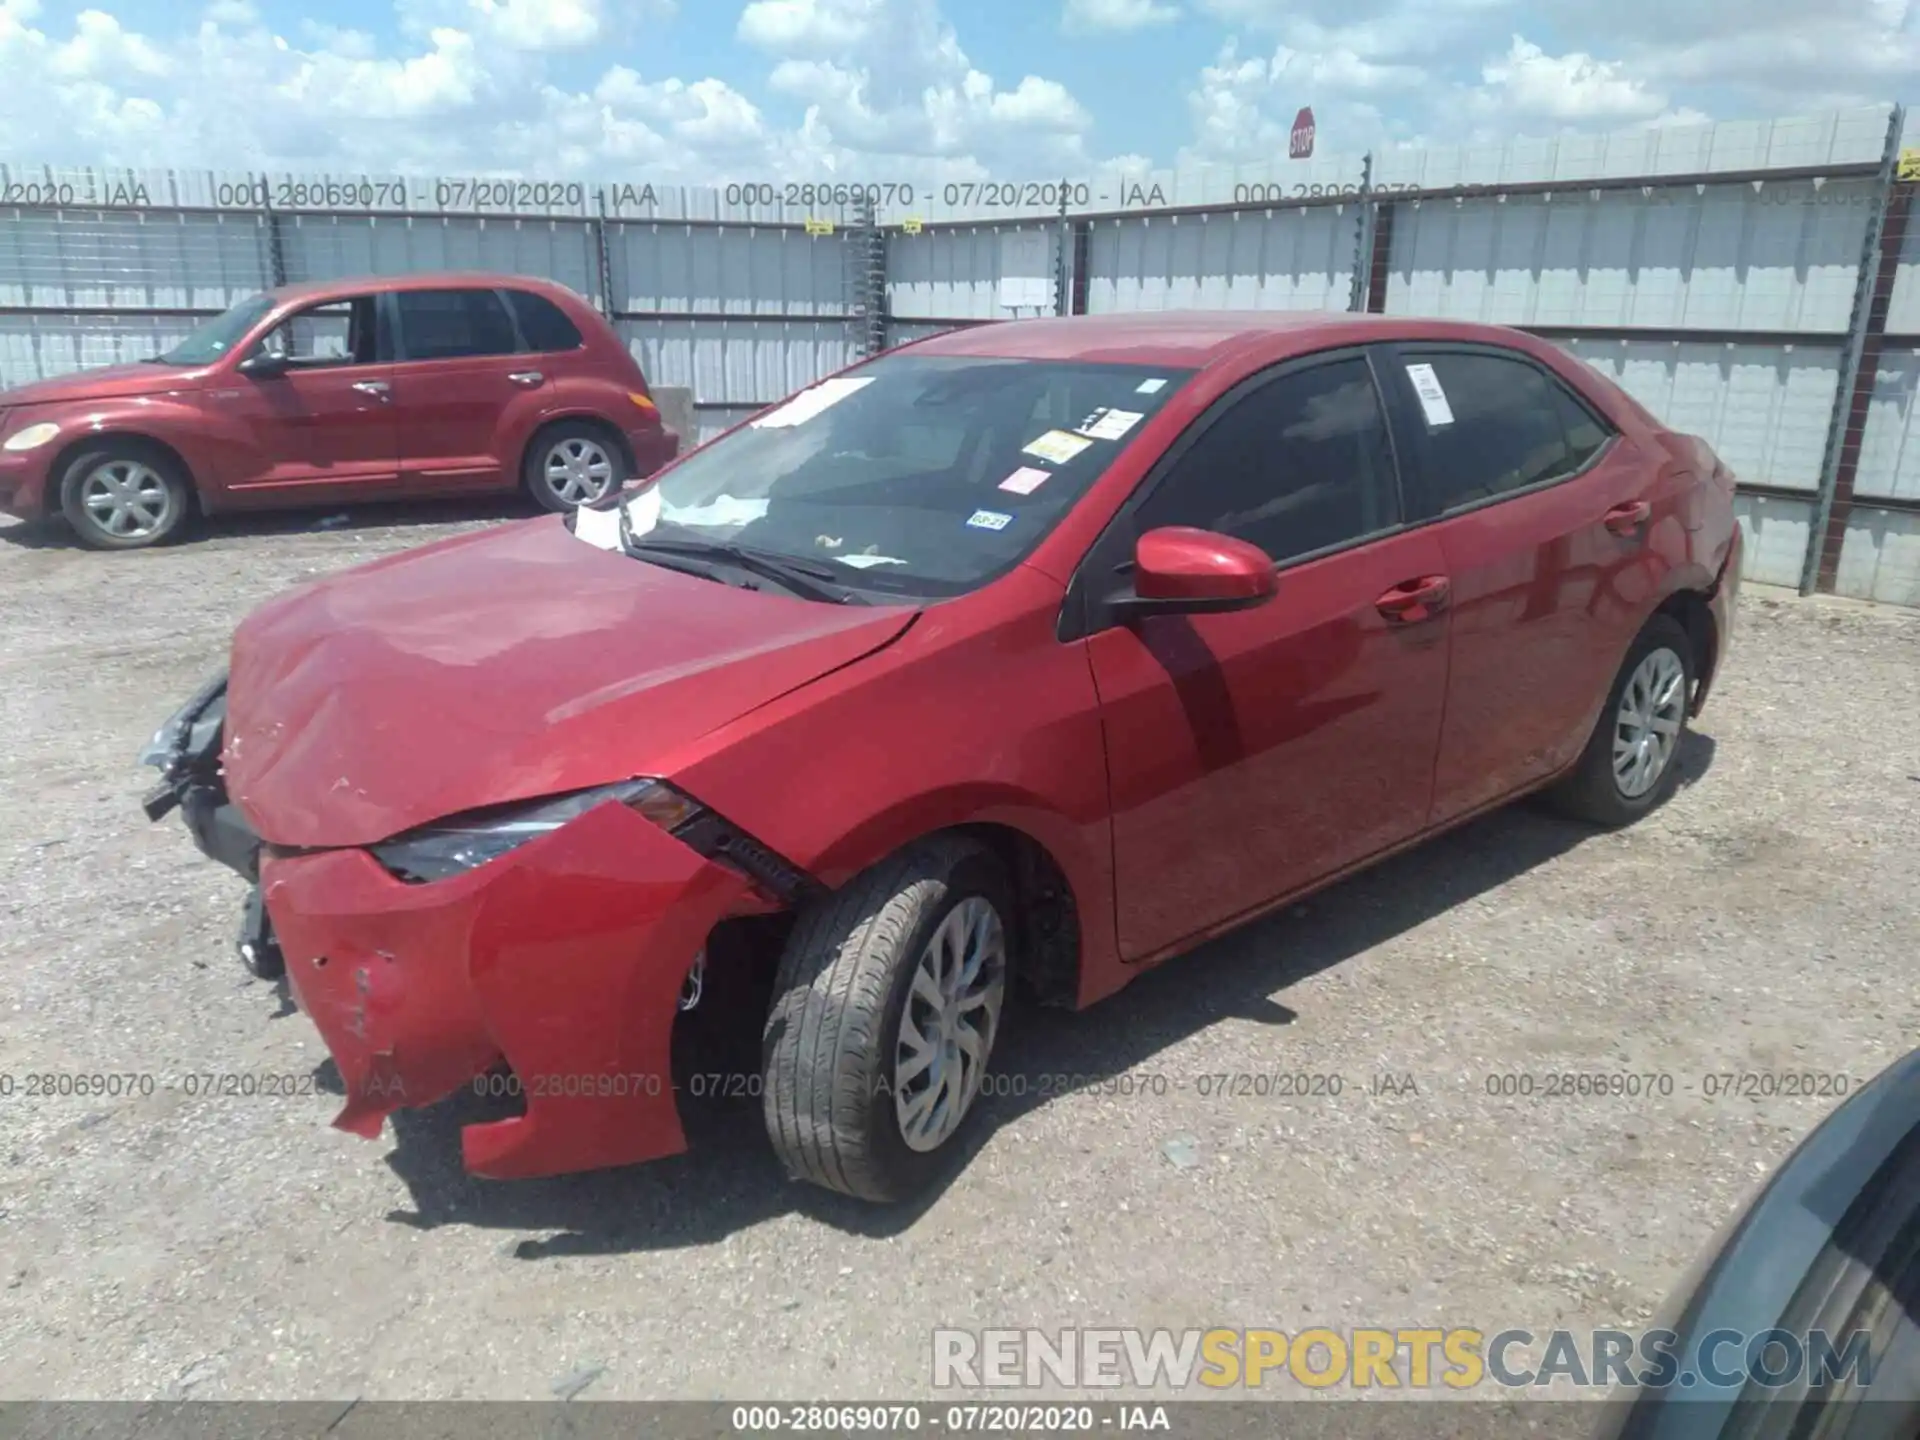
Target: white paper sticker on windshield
(1025, 480)
(989, 520)
(1433, 399)
(867, 562)
(721, 510)
(1149, 387)
(1059, 446)
(1106, 424)
(809, 403)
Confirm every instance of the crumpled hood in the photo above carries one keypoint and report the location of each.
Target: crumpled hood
(500, 666)
(110, 382)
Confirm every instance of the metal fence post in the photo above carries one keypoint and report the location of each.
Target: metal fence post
(1844, 397)
(867, 254)
(1363, 239)
(276, 246)
(602, 256)
(1062, 256)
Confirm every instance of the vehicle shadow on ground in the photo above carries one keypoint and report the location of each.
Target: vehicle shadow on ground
(55, 534)
(729, 1179)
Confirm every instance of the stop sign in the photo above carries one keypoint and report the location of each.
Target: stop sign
(1300, 143)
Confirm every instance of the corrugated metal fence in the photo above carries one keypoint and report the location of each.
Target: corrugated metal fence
(1757, 283)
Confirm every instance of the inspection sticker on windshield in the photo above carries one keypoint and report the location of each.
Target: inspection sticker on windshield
(989, 520)
(1059, 446)
(1149, 387)
(809, 403)
(1025, 480)
(1433, 399)
(1105, 424)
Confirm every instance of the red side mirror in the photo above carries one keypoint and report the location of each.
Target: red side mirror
(1181, 570)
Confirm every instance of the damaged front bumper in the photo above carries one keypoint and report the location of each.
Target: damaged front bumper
(564, 961)
(186, 752)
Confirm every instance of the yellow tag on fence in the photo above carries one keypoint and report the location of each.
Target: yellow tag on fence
(819, 227)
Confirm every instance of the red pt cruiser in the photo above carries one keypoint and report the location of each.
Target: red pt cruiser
(1037, 652)
(345, 392)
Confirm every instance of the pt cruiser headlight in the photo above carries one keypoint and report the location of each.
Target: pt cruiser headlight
(31, 437)
(462, 842)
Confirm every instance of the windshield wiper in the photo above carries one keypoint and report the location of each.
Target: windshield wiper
(814, 582)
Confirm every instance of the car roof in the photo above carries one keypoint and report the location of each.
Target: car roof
(1192, 339)
(431, 280)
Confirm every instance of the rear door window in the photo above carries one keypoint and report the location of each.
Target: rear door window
(1487, 425)
(448, 324)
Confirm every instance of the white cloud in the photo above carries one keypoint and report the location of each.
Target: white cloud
(1529, 82)
(100, 47)
(808, 27)
(540, 24)
(887, 81)
(1093, 16)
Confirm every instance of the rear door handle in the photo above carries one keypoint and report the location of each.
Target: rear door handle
(379, 389)
(1412, 601)
(1627, 517)
(529, 378)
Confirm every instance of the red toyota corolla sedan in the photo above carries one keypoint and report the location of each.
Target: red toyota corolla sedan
(342, 392)
(1036, 652)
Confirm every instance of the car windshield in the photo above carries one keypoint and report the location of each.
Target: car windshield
(915, 474)
(219, 335)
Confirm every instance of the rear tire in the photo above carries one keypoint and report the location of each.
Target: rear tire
(573, 463)
(885, 1012)
(1631, 763)
(124, 495)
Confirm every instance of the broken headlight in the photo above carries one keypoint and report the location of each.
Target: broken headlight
(462, 842)
(192, 731)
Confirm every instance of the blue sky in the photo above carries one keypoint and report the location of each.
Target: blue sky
(704, 91)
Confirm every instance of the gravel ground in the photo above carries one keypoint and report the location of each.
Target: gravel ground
(167, 1246)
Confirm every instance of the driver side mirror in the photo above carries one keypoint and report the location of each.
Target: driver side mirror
(1178, 570)
(263, 365)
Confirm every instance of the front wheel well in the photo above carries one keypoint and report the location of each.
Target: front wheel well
(1694, 615)
(132, 439)
(1047, 945)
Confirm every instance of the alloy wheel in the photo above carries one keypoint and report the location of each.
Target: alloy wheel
(578, 470)
(127, 499)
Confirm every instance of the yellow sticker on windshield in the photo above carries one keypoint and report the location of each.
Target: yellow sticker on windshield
(1059, 446)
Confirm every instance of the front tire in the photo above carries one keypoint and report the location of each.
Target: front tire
(125, 496)
(1631, 763)
(573, 463)
(885, 1013)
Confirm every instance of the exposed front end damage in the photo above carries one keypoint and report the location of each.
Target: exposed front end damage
(186, 751)
(565, 960)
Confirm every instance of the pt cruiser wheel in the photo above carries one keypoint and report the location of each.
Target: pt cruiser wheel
(124, 497)
(886, 1010)
(573, 463)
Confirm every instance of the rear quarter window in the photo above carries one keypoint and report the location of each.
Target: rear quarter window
(544, 324)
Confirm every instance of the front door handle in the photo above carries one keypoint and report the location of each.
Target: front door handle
(379, 389)
(1412, 601)
(1627, 517)
(528, 378)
